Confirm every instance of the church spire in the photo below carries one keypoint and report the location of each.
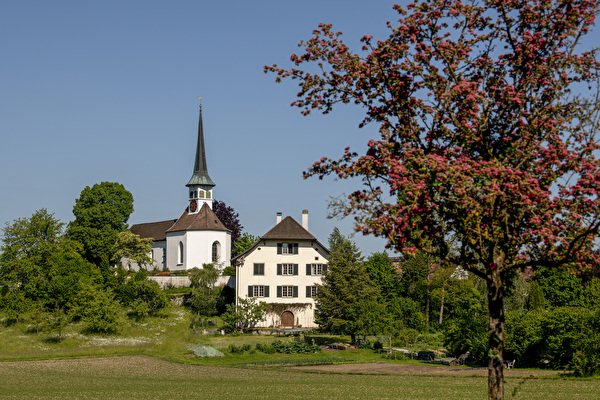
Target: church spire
(200, 176)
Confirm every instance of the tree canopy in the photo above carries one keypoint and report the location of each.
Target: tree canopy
(230, 219)
(488, 112)
(101, 212)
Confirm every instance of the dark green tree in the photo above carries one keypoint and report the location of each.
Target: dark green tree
(562, 288)
(384, 275)
(204, 295)
(101, 212)
(347, 297)
(131, 247)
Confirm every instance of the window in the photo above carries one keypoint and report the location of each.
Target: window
(216, 252)
(208, 195)
(258, 291)
(201, 194)
(287, 291)
(311, 291)
(315, 269)
(287, 269)
(180, 254)
(164, 257)
(259, 269)
(287, 248)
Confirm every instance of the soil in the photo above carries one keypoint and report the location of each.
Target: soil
(411, 369)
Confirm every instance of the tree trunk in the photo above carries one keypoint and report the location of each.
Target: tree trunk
(496, 335)
(441, 319)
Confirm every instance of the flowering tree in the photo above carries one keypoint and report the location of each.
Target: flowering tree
(487, 115)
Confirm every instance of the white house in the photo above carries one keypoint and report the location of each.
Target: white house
(283, 269)
(198, 236)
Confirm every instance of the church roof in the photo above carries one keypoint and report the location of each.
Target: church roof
(156, 231)
(200, 175)
(204, 220)
(288, 229)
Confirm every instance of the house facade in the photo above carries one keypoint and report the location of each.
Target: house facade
(197, 237)
(283, 269)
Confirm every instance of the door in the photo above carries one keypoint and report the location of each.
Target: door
(287, 319)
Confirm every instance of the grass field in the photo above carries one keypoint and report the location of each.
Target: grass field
(153, 360)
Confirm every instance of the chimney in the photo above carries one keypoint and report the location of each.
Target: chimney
(305, 219)
(278, 217)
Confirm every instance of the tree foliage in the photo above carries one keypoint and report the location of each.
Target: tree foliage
(245, 314)
(101, 212)
(488, 113)
(230, 219)
(244, 243)
(347, 299)
(133, 248)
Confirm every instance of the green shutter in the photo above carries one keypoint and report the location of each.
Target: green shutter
(279, 246)
(278, 269)
(266, 291)
(308, 291)
(295, 291)
(295, 269)
(278, 291)
(250, 292)
(324, 268)
(295, 248)
(308, 269)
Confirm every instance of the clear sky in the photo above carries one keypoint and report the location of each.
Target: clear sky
(107, 91)
(94, 91)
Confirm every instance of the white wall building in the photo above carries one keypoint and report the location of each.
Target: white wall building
(283, 269)
(198, 236)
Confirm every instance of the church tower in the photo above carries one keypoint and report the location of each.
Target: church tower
(200, 185)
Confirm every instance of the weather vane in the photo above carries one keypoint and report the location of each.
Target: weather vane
(199, 98)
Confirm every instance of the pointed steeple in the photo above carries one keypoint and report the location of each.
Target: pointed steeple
(200, 176)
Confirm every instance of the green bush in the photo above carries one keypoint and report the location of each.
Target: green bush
(295, 347)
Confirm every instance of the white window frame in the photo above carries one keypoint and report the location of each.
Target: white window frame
(316, 269)
(287, 291)
(287, 269)
(258, 291)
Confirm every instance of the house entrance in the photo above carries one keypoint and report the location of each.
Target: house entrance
(287, 319)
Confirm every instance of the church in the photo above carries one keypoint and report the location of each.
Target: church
(197, 237)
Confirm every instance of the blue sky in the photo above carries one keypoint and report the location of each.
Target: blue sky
(107, 91)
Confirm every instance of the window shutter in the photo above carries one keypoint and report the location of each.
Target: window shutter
(278, 291)
(308, 269)
(295, 248)
(307, 291)
(250, 292)
(279, 247)
(295, 269)
(255, 269)
(266, 291)
(295, 291)
(278, 269)
(324, 268)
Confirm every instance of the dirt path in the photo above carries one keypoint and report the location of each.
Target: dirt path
(411, 369)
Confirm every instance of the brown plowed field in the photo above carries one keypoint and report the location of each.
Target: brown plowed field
(411, 369)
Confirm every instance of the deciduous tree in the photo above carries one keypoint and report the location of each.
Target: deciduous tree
(230, 219)
(488, 112)
(101, 212)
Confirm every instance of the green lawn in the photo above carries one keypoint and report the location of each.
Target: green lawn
(153, 360)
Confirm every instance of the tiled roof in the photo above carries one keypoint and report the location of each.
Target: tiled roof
(288, 229)
(205, 219)
(153, 230)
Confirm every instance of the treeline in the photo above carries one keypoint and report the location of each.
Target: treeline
(552, 316)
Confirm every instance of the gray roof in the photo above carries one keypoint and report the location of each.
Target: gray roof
(200, 175)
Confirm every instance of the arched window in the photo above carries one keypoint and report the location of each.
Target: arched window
(216, 252)
(180, 253)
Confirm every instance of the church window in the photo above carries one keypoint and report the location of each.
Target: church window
(191, 195)
(216, 251)
(208, 195)
(180, 254)
(201, 194)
